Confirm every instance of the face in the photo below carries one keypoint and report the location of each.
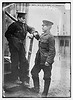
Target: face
(22, 19)
(45, 28)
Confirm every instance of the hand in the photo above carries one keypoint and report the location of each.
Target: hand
(35, 33)
(47, 64)
(30, 36)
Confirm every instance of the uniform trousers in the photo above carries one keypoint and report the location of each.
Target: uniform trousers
(46, 69)
(38, 66)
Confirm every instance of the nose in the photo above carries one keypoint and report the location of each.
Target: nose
(24, 19)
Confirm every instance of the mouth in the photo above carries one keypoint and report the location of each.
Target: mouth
(23, 21)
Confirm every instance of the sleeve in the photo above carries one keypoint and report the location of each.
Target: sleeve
(30, 29)
(51, 53)
(10, 31)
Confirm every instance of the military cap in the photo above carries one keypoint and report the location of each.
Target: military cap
(21, 14)
(46, 22)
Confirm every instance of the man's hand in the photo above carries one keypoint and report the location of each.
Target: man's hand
(30, 36)
(47, 64)
(35, 33)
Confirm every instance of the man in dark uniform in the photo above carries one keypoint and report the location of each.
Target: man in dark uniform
(16, 34)
(44, 58)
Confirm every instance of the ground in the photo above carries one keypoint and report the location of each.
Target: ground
(60, 83)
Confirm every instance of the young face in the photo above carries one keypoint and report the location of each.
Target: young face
(45, 28)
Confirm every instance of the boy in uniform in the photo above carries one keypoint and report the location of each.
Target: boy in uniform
(44, 58)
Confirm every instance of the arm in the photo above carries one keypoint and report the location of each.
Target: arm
(9, 32)
(31, 30)
(51, 53)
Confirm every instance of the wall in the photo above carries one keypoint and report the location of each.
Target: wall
(55, 13)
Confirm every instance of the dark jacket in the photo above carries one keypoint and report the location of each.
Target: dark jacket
(47, 48)
(16, 33)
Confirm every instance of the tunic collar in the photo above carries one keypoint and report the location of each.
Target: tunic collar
(45, 33)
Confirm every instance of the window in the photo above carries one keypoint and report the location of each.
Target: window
(66, 42)
(61, 42)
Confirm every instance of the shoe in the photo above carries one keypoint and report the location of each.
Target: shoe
(46, 88)
(18, 82)
(44, 95)
(26, 84)
(34, 90)
(24, 87)
(36, 85)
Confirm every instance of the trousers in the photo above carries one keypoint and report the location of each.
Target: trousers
(46, 69)
(19, 63)
(38, 66)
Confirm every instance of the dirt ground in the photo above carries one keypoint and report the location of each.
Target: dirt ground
(60, 83)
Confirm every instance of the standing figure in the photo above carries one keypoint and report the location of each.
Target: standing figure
(44, 58)
(16, 34)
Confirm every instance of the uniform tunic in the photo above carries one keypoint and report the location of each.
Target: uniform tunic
(47, 48)
(46, 53)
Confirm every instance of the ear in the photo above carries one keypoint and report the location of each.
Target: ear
(50, 27)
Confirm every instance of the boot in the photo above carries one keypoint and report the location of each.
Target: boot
(36, 85)
(46, 88)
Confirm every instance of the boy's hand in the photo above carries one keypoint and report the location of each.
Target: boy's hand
(47, 64)
(36, 35)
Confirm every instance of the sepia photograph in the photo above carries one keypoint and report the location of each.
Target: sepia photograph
(36, 50)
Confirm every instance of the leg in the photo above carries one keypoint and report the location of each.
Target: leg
(14, 63)
(24, 66)
(47, 79)
(35, 71)
(24, 72)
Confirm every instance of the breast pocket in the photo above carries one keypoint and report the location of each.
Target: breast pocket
(44, 45)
